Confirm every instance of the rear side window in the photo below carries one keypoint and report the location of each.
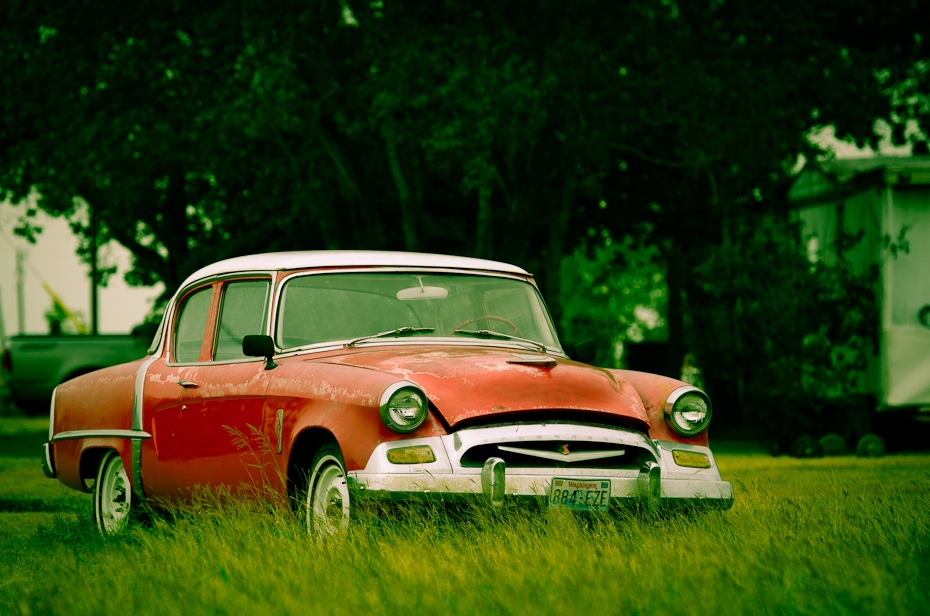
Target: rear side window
(192, 323)
(245, 305)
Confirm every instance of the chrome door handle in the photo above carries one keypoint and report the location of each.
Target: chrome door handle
(187, 384)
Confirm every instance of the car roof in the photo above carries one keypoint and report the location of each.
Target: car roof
(274, 261)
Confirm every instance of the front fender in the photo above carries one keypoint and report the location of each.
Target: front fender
(343, 400)
(654, 391)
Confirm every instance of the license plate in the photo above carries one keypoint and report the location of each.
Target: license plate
(580, 494)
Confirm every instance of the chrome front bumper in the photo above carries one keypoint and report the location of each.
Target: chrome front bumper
(447, 479)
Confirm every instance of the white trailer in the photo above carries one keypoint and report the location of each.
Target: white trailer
(887, 200)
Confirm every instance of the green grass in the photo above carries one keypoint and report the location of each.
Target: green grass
(830, 536)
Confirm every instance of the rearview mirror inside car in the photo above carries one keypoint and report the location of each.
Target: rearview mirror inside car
(584, 351)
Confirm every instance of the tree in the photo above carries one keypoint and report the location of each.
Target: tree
(507, 130)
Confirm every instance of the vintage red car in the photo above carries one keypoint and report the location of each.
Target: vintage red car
(373, 375)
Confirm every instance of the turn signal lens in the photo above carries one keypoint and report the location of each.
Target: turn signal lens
(421, 454)
(405, 409)
(690, 459)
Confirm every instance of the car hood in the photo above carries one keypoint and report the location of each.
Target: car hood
(471, 384)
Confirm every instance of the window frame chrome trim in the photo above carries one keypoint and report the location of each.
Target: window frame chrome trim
(168, 351)
(220, 306)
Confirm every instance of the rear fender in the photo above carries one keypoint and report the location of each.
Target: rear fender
(77, 460)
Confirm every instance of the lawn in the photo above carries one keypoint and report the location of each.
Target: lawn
(828, 536)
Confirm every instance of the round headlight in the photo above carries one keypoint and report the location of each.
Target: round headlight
(403, 407)
(687, 411)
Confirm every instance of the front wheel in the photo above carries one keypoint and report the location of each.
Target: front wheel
(325, 502)
(114, 501)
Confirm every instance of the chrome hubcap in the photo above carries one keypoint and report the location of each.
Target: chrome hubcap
(329, 510)
(115, 496)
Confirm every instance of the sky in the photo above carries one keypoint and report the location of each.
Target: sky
(52, 259)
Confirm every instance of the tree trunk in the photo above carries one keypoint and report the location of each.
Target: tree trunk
(407, 211)
(552, 280)
(484, 230)
(675, 262)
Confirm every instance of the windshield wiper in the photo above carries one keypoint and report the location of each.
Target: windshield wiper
(401, 331)
(489, 333)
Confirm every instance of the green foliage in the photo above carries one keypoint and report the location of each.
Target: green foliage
(197, 132)
(613, 293)
(783, 334)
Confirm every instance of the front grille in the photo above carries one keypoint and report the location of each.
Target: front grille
(558, 454)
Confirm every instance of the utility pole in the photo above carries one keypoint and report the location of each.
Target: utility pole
(2, 327)
(94, 273)
(20, 291)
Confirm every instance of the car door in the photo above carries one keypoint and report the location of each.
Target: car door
(220, 438)
(167, 389)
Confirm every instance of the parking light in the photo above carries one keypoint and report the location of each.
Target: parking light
(420, 454)
(690, 459)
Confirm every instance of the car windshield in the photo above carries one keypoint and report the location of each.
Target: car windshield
(319, 308)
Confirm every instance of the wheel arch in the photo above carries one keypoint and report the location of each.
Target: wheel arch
(305, 446)
(90, 462)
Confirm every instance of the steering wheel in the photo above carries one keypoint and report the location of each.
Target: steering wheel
(491, 317)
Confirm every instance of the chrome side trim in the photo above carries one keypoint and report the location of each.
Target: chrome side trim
(138, 486)
(139, 390)
(48, 467)
(51, 415)
(137, 407)
(76, 434)
(279, 430)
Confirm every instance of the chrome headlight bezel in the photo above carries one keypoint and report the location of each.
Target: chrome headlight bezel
(396, 420)
(675, 407)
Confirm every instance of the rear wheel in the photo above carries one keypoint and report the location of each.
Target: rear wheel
(870, 446)
(326, 505)
(114, 502)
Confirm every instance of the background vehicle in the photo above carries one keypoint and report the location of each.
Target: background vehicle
(36, 364)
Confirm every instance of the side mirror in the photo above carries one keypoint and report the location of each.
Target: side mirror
(259, 345)
(585, 351)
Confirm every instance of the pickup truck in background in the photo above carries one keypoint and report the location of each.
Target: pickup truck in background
(37, 364)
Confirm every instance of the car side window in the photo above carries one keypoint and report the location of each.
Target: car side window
(192, 323)
(243, 312)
